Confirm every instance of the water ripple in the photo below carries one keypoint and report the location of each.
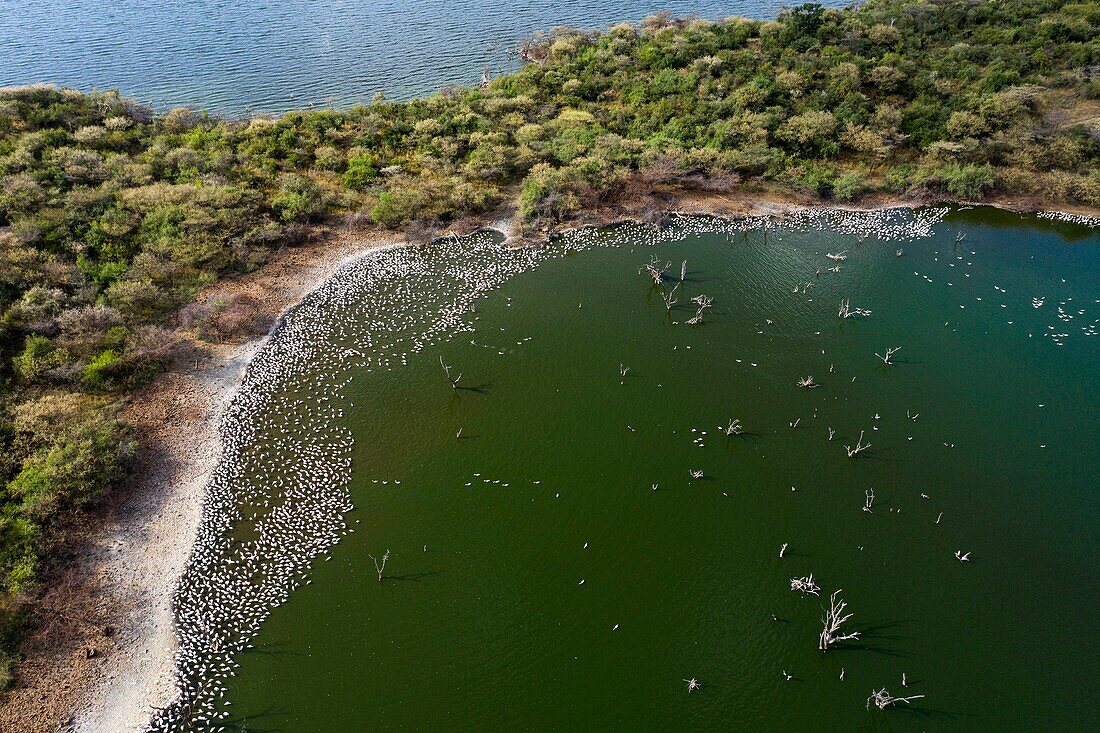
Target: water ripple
(255, 57)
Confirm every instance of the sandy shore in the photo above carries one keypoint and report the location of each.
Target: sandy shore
(102, 657)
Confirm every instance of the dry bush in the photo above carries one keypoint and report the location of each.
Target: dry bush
(153, 346)
(421, 231)
(222, 318)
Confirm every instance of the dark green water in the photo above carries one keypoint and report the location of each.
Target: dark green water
(482, 622)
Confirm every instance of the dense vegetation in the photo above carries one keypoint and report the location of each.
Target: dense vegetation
(112, 218)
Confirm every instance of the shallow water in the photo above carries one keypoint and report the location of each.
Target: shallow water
(482, 620)
(258, 57)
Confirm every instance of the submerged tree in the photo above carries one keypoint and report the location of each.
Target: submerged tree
(670, 297)
(882, 699)
(889, 355)
(858, 448)
(447, 371)
(380, 566)
(805, 585)
(832, 621)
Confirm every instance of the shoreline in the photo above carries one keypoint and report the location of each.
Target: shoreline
(113, 660)
(136, 555)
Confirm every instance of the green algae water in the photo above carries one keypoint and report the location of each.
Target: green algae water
(553, 564)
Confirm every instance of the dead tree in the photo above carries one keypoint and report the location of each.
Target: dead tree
(447, 371)
(380, 566)
(833, 618)
(656, 271)
(889, 354)
(858, 448)
(869, 500)
(782, 550)
(693, 684)
(806, 585)
(683, 270)
(808, 382)
(883, 699)
(734, 428)
(703, 302)
(670, 297)
(847, 311)
(837, 256)
(695, 475)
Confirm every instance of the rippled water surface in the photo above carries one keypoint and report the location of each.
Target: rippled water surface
(269, 56)
(537, 581)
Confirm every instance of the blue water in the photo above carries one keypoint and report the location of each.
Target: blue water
(250, 57)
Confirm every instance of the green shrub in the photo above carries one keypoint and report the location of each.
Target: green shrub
(968, 181)
(300, 199)
(848, 187)
(362, 171)
(398, 206)
(101, 370)
(39, 355)
(815, 180)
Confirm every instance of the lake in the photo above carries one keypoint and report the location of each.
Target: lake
(552, 563)
(256, 57)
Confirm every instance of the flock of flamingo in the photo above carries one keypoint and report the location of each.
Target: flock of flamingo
(278, 500)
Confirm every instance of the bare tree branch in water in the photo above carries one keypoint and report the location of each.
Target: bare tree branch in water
(447, 371)
(656, 271)
(670, 297)
(380, 566)
(833, 619)
(858, 448)
(889, 354)
(703, 302)
(847, 311)
(883, 699)
(806, 585)
(869, 499)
